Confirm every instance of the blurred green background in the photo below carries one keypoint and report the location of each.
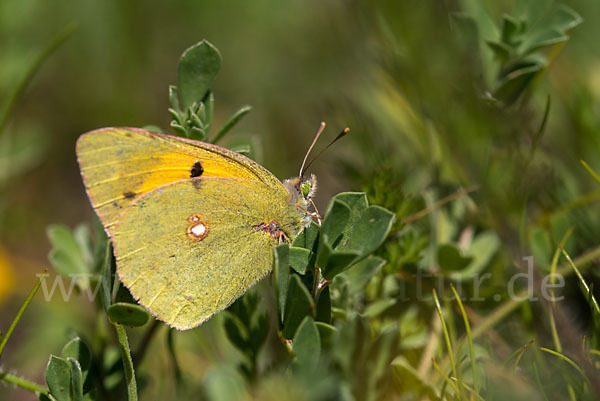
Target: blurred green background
(407, 81)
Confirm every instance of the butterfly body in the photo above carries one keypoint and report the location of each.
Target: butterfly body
(193, 224)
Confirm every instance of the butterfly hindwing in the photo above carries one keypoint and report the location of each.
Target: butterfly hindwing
(188, 249)
(120, 164)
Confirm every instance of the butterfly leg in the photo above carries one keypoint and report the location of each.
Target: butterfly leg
(316, 214)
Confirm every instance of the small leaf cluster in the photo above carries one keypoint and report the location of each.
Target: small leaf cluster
(67, 375)
(532, 27)
(192, 101)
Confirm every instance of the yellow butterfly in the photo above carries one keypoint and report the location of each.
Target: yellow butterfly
(193, 225)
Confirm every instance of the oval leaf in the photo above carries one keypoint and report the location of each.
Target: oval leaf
(127, 314)
(196, 71)
(307, 345)
(58, 378)
(281, 276)
(299, 304)
(79, 351)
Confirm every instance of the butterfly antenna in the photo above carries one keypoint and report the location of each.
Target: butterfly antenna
(319, 132)
(337, 138)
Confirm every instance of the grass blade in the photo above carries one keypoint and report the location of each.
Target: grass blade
(566, 359)
(58, 40)
(28, 300)
(592, 172)
(233, 120)
(438, 307)
(469, 339)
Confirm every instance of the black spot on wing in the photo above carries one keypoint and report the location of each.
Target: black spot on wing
(129, 195)
(196, 170)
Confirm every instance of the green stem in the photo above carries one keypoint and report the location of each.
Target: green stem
(23, 383)
(233, 120)
(127, 363)
(592, 172)
(13, 325)
(171, 348)
(22, 85)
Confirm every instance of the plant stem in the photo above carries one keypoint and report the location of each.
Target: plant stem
(58, 40)
(127, 363)
(233, 120)
(171, 348)
(13, 325)
(23, 383)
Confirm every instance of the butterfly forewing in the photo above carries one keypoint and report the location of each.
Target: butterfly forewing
(120, 164)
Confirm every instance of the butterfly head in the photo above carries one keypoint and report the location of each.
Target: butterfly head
(302, 191)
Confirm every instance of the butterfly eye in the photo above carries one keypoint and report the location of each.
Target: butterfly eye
(305, 188)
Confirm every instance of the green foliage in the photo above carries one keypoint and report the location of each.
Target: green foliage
(401, 292)
(192, 102)
(128, 314)
(67, 375)
(247, 328)
(530, 28)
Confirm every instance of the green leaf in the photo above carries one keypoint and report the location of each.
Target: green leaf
(259, 332)
(481, 251)
(510, 29)
(307, 345)
(174, 99)
(209, 106)
(369, 230)
(58, 378)
(299, 304)
(308, 237)
(350, 231)
(107, 277)
(326, 333)
(361, 273)
(323, 313)
(516, 82)
(367, 226)
(357, 201)
(196, 72)
(378, 307)
(79, 351)
(126, 314)
(501, 50)
(300, 259)
(281, 276)
(236, 331)
(451, 259)
(224, 383)
(337, 262)
(412, 381)
(67, 255)
(332, 228)
(76, 380)
(544, 39)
